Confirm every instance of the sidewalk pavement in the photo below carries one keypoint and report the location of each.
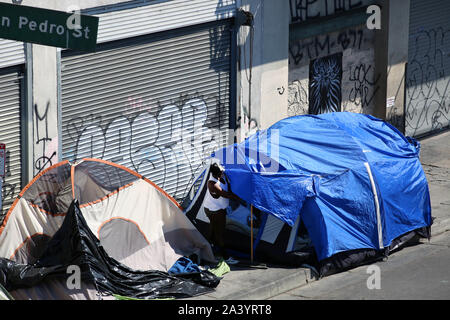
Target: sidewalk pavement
(261, 284)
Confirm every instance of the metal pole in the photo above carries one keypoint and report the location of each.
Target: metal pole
(251, 233)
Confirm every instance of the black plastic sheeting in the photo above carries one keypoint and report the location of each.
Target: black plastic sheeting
(75, 244)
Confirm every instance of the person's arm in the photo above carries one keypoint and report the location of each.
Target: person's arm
(216, 191)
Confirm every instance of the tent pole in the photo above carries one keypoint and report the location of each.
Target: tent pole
(251, 233)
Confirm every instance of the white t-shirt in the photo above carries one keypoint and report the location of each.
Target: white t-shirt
(216, 204)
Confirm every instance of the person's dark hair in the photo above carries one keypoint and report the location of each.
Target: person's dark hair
(216, 170)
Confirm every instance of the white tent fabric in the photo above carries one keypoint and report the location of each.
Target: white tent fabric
(137, 223)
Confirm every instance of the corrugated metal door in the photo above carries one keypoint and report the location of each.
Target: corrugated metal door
(11, 53)
(10, 133)
(428, 70)
(157, 104)
(129, 19)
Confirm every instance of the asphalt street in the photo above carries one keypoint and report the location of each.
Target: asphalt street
(420, 272)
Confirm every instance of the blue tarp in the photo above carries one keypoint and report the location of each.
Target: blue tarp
(325, 168)
(184, 265)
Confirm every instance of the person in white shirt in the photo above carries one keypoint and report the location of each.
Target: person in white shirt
(215, 204)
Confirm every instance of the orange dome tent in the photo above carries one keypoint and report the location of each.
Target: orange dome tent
(136, 222)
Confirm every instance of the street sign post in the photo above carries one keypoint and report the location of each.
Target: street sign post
(48, 27)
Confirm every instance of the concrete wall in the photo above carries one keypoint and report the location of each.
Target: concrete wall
(268, 72)
(391, 57)
(44, 108)
(373, 62)
(397, 53)
(302, 11)
(274, 81)
(360, 81)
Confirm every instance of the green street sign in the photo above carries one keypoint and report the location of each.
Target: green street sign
(48, 27)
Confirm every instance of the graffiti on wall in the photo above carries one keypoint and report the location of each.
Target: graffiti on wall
(394, 115)
(364, 85)
(359, 84)
(305, 50)
(428, 82)
(298, 97)
(45, 152)
(45, 146)
(168, 146)
(302, 10)
(246, 125)
(325, 75)
(9, 190)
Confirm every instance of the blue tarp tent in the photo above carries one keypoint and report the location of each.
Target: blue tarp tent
(355, 180)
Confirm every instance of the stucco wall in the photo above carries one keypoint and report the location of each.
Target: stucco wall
(267, 71)
(359, 79)
(359, 83)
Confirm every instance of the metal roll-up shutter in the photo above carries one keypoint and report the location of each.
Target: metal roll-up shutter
(129, 19)
(157, 104)
(11, 53)
(10, 133)
(428, 69)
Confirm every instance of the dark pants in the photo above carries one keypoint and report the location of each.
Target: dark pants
(217, 222)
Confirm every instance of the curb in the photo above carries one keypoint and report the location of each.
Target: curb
(440, 226)
(258, 284)
(295, 280)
